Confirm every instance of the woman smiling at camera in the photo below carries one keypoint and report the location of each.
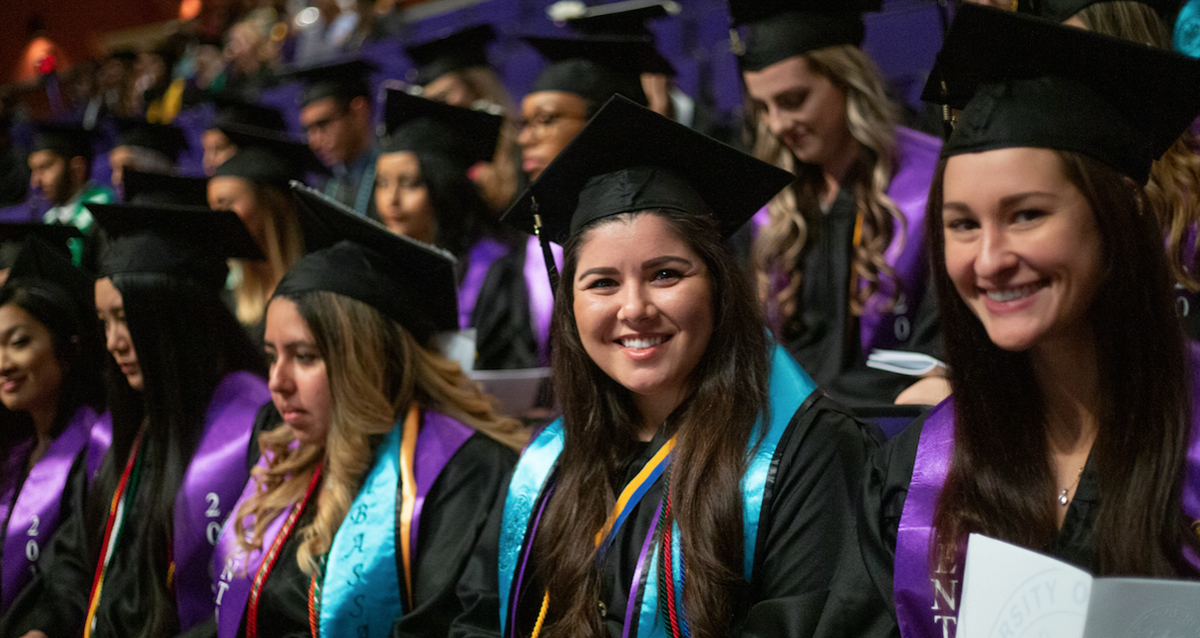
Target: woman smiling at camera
(51, 442)
(728, 475)
(1071, 430)
(370, 496)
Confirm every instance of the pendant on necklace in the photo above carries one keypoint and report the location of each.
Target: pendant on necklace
(1062, 497)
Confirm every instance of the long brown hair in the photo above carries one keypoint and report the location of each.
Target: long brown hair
(795, 214)
(376, 370)
(713, 424)
(1174, 187)
(1000, 482)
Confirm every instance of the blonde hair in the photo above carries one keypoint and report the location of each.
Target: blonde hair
(283, 246)
(871, 118)
(376, 369)
(1173, 191)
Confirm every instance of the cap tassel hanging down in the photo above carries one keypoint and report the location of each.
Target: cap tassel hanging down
(547, 255)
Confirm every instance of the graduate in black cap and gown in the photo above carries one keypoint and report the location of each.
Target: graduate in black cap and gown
(631, 20)
(422, 190)
(582, 74)
(184, 385)
(698, 483)
(52, 437)
(368, 499)
(254, 184)
(141, 146)
(454, 69)
(1072, 430)
(839, 256)
(234, 112)
(60, 166)
(335, 113)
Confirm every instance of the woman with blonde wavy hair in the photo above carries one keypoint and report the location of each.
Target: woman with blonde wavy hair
(1174, 187)
(839, 258)
(370, 496)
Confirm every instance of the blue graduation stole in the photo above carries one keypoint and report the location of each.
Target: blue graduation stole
(790, 386)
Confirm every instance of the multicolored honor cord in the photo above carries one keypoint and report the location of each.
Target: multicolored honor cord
(626, 502)
(112, 531)
(273, 554)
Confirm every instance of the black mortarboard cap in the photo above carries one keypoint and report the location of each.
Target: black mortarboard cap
(239, 112)
(416, 124)
(47, 266)
(156, 188)
(1026, 82)
(776, 30)
(163, 138)
(624, 18)
(14, 234)
(410, 281)
(1060, 10)
(450, 53)
(64, 139)
(184, 242)
(627, 18)
(344, 79)
(594, 68)
(268, 157)
(630, 159)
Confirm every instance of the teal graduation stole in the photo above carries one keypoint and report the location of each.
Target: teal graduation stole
(790, 387)
(361, 590)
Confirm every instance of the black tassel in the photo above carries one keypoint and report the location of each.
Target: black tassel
(547, 255)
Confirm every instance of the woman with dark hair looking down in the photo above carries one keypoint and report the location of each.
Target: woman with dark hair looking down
(184, 385)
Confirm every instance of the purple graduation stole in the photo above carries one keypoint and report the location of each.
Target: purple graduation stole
(439, 439)
(1186, 300)
(36, 511)
(481, 257)
(927, 596)
(917, 157)
(213, 480)
(537, 288)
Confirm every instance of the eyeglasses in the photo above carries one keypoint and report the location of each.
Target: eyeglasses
(545, 121)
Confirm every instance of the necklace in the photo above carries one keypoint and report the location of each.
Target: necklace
(1062, 496)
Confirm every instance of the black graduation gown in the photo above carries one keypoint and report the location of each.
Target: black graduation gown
(861, 601)
(828, 345)
(56, 600)
(501, 318)
(806, 512)
(455, 512)
(74, 496)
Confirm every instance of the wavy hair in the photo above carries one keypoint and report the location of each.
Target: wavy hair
(283, 245)
(601, 423)
(795, 214)
(1000, 482)
(376, 369)
(1174, 186)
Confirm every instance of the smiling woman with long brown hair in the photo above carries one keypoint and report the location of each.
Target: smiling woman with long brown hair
(698, 480)
(1072, 429)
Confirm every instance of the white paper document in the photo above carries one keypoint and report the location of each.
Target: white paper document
(902, 362)
(1012, 592)
(516, 389)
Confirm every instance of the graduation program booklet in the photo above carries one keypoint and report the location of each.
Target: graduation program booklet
(1012, 592)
